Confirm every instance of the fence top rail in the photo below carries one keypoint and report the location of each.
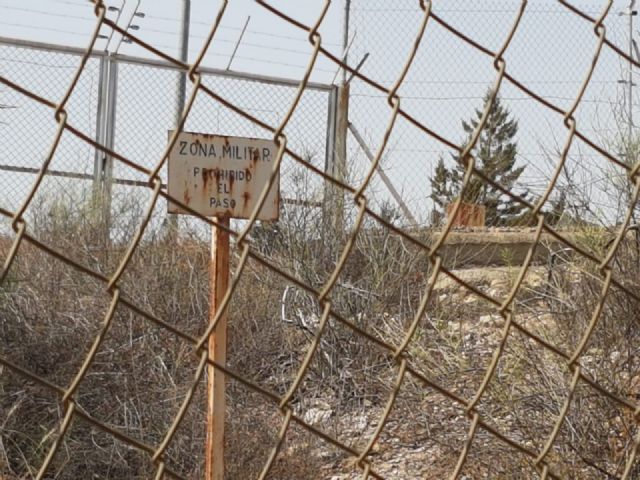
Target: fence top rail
(16, 42)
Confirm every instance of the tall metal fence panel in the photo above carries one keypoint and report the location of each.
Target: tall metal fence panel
(26, 136)
(368, 337)
(134, 115)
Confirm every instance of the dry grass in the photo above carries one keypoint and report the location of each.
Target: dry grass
(50, 314)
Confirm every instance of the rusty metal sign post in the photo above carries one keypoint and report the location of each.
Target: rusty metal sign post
(221, 177)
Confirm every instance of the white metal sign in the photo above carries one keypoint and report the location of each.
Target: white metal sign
(221, 176)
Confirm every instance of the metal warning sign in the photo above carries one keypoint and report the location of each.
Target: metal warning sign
(221, 176)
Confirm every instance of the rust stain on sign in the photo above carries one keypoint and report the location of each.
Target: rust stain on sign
(222, 176)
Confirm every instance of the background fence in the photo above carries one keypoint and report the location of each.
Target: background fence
(432, 86)
(357, 351)
(130, 104)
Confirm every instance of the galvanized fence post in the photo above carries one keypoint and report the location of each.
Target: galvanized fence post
(109, 139)
(330, 156)
(105, 134)
(336, 158)
(100, 128)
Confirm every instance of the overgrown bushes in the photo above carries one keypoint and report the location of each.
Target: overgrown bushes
(50, 314)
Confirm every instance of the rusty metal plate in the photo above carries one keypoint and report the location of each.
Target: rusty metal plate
(222, 176)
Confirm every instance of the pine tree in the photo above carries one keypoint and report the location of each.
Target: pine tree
(441, 185)
(495, 156)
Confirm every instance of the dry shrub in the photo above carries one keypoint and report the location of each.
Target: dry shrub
(50, 313)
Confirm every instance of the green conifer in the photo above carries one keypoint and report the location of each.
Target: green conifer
(495, 155)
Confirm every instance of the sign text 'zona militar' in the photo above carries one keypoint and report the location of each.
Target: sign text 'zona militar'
(222, 176)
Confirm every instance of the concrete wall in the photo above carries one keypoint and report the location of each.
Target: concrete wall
(495, 248)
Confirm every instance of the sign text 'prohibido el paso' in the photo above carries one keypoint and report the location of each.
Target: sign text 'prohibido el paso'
(222, 176)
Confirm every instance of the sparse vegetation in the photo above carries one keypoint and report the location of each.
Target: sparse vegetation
(50, 313)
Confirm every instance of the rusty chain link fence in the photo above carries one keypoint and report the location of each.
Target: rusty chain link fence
(381, 34)
(351, 348)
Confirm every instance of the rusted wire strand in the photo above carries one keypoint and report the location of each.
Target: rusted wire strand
(396, 354)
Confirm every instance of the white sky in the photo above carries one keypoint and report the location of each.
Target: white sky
(270, 45)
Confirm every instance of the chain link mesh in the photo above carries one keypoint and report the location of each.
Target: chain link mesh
(69, 142)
